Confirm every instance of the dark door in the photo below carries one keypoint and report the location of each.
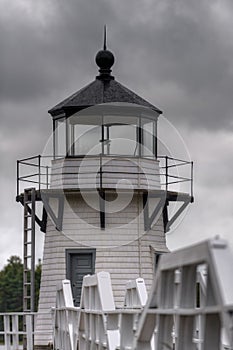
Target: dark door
(80, 264)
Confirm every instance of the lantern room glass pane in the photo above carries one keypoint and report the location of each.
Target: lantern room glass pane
(148, 138)
(120, 135)
(84, 135)
(60, 137)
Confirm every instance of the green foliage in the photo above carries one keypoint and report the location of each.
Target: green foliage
(11, 285)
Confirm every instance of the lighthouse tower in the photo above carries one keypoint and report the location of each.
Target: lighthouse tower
(106, 207)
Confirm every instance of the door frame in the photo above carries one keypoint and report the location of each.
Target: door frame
(70, 252)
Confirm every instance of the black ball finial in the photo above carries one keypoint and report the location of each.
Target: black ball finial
(105, 60)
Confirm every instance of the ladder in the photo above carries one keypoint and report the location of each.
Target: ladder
(29, 250)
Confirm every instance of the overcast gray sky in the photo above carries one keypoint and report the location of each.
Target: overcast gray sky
(178, 54)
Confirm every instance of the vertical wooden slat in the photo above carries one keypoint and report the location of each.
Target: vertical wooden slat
(29, 331)
(164, 332)
(15, 330)
(127, 330)
(185, 331)
(7, 338)
(212, 332)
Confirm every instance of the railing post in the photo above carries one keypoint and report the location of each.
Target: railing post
(15, 331)
(101, 172)
(29, 331)
(7, 339)
(192, 180)
(166, 174)
(47, 177)
(39, 164)
(17, 174)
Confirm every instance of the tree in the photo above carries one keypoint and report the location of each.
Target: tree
(11, 285)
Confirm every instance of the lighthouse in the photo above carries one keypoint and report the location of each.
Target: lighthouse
(105, 207)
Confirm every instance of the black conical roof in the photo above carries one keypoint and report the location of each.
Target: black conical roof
(97, 92)
(105, 89)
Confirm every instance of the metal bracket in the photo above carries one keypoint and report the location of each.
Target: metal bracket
(148, 219)
(177, 213)
(164, 199)
(57, 219)
(43, 221)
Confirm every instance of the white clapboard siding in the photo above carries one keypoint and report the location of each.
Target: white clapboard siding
(123, 248)
(125, 173)
(121, 262)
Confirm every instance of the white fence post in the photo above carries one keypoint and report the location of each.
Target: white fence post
(66, 318)
(29, 331)
(7, 338)
(135, 293)
(98, 324)
(15, 331)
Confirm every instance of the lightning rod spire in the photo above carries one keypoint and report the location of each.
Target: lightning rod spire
(105, 37)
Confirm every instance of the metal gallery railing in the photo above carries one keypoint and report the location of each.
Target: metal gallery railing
(36, 170)
(31, 170)
(171, 175)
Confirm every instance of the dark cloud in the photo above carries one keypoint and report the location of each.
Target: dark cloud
(180, 44)
(45, 54)
(187, 50)
(176, 54)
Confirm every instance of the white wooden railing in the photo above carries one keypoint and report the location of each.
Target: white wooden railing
(190, 307)
(183, 317)
(11, 331)
(17, 330)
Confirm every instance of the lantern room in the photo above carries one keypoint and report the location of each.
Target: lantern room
(116, 129)
(116, 113)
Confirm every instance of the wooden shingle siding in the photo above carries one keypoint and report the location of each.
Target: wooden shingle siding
(120, 248)
(84, 173)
